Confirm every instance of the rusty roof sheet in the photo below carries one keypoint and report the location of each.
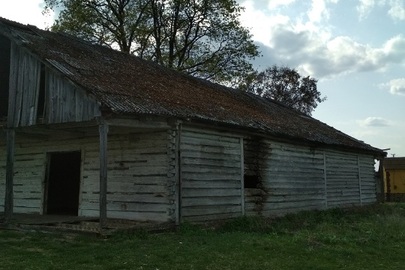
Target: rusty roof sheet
(394, 163)
(129, 85)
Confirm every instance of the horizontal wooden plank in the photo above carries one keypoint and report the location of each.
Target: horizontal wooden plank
(211, 156)
(211, 170)
(141, 216)
(209, 176)
(129, 206)
(307, 205)
(212, 217)
(138, 198)
(210, 201)
(203, 150)
(209, 192)
(214, 141)
(211, 210)
(201, 134)
(213, 163)
(214, 184)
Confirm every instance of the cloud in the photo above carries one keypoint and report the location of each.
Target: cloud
(319, 10)
(396, 86)
(365, 7)
(274, 4)
(395, 8)
(374, 122)
(310, 47)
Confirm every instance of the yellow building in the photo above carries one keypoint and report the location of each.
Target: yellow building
(394, 178)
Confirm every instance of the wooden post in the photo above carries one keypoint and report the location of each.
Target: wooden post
(242, 173)
(325, 180)
(9, 198)
(359, 178)
(103, 132)
(178, 173)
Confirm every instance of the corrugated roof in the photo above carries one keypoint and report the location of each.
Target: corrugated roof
(394, 163)
(129, 85)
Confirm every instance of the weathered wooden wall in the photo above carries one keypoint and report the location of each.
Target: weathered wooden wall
(63, 101)
(368, 179)
(3, 158)
(211, 176)
(138, 169)
(143, 168)
(342, 181)
(294, 178)
(291, 179)
(137, 178)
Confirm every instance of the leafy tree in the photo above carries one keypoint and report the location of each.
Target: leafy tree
(203, 38)
(286, 86)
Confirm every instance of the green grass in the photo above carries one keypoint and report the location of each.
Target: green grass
(367, 238)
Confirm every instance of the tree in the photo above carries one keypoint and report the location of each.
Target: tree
(203, 38)
(286, 86)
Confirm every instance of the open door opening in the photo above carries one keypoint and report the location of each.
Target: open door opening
(63, 184)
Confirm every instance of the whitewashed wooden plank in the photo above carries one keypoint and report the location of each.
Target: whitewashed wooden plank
(203, 211)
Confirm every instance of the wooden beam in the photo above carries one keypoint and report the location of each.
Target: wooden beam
(9, 198)
(103, 132)
(135, 123)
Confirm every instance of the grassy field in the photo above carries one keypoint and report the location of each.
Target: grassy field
(368, 238)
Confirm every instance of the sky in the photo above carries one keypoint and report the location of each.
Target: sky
(354, 48)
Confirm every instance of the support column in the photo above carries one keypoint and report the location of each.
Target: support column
(103, 132)
(359, 178)
(178, 173)
(9, 196)
(325, 179)
(242, 176)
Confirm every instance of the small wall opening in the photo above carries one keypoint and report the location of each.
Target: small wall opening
(4, 75)
(63, 183)
(251, 181)
(256, 152)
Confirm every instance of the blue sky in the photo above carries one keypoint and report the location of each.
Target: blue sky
(356, 50)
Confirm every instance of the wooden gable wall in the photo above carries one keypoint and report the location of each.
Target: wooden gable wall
(38, 94)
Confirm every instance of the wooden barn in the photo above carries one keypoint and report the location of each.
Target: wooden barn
(91, 132)
(394, 178)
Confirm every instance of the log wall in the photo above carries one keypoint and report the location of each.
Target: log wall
(211, 176)
(138, 170)
(291, 178)
(143, 170)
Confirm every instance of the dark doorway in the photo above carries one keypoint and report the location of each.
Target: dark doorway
(63, 183)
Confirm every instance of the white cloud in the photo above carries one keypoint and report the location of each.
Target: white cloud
(311, 47)
(396, 86)
(274, 4)
(365, 7)
(319, 11)
(374, 122)
(397, 9)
